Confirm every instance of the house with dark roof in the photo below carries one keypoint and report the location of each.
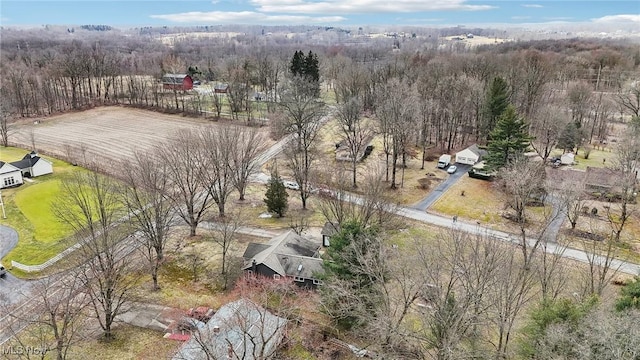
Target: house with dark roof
(9, 175)
(32, 165)
(238, 330)
(177, 82)
(286, 256)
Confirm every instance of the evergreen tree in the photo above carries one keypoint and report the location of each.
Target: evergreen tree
(311, 67)
(297, 64)
(354, 252)
(571, 137)
(307, 69)
(495, 104)
(629, 296)
(508, 140)
(276, 196)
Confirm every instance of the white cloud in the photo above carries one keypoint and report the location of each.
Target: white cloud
(536, 6)
(363, 6)
(245, 17)
(618, 18)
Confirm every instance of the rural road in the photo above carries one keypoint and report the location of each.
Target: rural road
(436, 193)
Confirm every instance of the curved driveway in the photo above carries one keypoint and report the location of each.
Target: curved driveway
(434, 195)
(12, 289)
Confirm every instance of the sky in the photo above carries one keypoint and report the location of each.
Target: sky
(121, 13)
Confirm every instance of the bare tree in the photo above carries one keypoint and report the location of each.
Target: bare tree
(302, 117)
(218, 145)
(57, 318)
(630, 99)
(249, 143)
(546, 126)
(6, 125)
(601, 267)
(224, 234)
(509, 297)
(188, 191)
(625, 166)
(523, 181)
(356, 133)
(147, 183)
(91, 207)
(571, 201)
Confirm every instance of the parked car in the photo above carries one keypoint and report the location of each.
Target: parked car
(291, 185)
(452, 169)
(3, 271)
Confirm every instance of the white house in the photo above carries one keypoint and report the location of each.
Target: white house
(470, 155)
(9, 175)
(33, 165)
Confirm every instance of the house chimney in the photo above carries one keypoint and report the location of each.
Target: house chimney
(216, 330)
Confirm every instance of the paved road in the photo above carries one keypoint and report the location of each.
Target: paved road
(12, 289)
(477, 229)
(434, 195)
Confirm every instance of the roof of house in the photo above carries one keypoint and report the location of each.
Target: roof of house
(476, 150)
(221, 86)
(27, 161)
(241, 327)
(173, 78)
(288, 254)
(329, 229)
(602, 177)
(6, 168)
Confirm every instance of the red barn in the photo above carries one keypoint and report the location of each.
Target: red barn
(177, 82)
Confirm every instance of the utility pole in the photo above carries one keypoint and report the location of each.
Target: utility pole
(4, 215)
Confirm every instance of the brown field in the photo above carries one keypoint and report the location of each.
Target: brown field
(109, 134)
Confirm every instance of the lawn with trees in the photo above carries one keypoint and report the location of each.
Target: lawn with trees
(443, 294)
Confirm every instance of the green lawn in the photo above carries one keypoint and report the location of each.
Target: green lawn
(597, 158)
(28, 208)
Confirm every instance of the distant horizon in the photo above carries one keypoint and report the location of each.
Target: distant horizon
(338, 13)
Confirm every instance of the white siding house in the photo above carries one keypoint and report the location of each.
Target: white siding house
(9, 175)
(33, 165)
(470, 155)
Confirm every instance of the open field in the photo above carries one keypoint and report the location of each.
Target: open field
(107, 134)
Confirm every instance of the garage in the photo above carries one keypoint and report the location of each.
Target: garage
(470, 155)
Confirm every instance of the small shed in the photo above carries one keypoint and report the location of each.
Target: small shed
(9, 175)
(221, 88)
(567, 158)
(177, 82)
(470, 155)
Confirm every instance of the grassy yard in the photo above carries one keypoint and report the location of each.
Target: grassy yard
(597, 158)
(28, 207)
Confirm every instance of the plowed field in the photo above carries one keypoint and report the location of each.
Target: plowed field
(103, 135)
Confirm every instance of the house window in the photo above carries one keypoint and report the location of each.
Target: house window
(8, 181)
(317, 282)
(276, 276)
(298, 279)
